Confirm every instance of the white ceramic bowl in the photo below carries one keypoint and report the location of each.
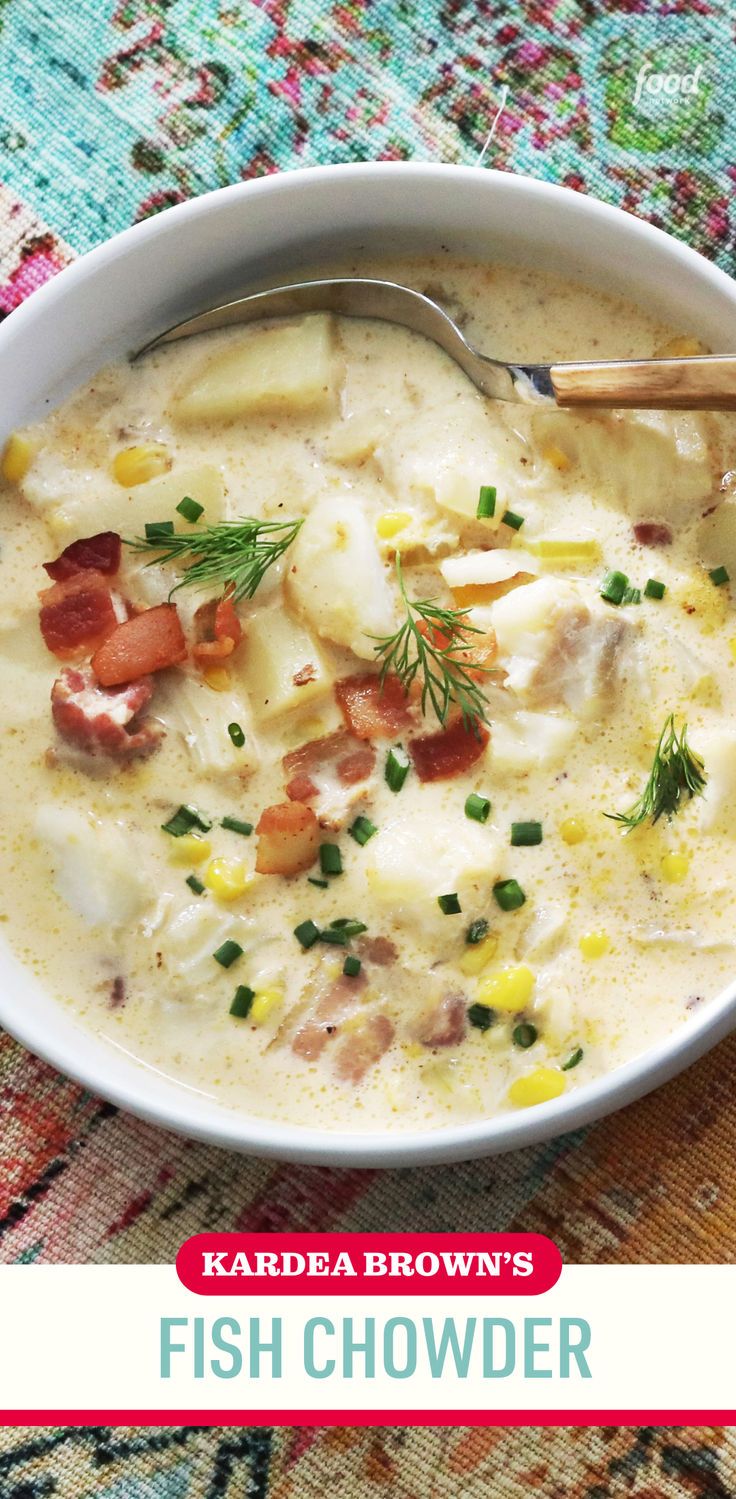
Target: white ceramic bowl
(112, 300)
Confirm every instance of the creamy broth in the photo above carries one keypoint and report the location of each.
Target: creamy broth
(378, 443)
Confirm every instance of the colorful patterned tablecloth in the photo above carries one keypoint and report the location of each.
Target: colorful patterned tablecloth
(109, 113)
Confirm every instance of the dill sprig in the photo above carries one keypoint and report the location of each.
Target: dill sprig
(676, 771)
(439, 658)
(235, 555)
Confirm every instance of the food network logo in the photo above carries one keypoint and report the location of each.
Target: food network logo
(655, 83)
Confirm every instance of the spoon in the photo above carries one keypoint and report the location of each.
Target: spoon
(707, 383)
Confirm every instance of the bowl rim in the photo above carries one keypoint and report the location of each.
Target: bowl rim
(258, 1135)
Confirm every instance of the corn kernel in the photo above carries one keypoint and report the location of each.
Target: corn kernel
(732, 646)
(594, 944)
(674, 867)
(538, 1086)
(573, 830)
(683, 346)
(217, 677)
(476, 958)
(562, 551)
(227, 878)
(265, 1002)
(557, 457)
(189, 849)
(16, 459)
(139, 464)
(509, 990)
(394, 520)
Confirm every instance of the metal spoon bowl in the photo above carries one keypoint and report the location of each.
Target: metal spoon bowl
(707, 382)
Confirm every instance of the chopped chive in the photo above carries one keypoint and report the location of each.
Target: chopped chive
(525, 834)
(449, 904)
(228, 953)
(349, 926)
(330, 858)
(477, 807)
(195, 884)
(509, 895)
(486, 502)
(337, 935)
(362, 829)
(514, 521)
(321, 884)
(242, 1001)
(477, 930)
(719, 575)
(524, 1035)
(613, 587)
(306, 933)
(631, 596)
(184, 820)
(234, 825)
(351, 967)
(397, 767)
(573, 1059)
(158, 530)
(654, 589)
(236, 734)
(191, 511)
(481, 1017)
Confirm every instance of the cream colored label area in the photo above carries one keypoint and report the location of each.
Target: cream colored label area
(653, 1339)
(377, 442)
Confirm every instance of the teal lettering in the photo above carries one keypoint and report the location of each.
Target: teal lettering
(368, 1348)
(574, 1350)
(490, 1326)
(257, 1349)
(532, 1348)
(394, 1325)
(449, 1340)
(219, 1327)
(166, 1345)
(313, 1326)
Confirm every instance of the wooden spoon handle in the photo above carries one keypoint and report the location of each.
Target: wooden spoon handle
(705, 384)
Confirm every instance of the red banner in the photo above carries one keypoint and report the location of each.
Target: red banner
(493, 1264)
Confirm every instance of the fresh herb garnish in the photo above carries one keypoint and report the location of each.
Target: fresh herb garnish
(159, 530)
(233, 554)
(397, 767)
(431, 644)
(613, 587)
(477, 930)
(573, 1060)
(242, 1002)
(477, 807)
(481, 1017)
(234, 825)
(525, 834)
(524, 1035)
(190, 509)
(330, 858)
(184, 820)
(509, 518)
(486, 502)
(654, 589)
(195, 884)
(449, 904)
(228, 953)
(719, 575)
(677, 771)
(509, 894)
(306, 933)
(362, 829)
(351, 967)
(349, 925)
(236, 734)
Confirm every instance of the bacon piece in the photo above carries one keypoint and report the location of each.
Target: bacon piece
(102, 721)
(437, 757)
(77, 615)
(288, 839)
(379, 950)
(444, 1024)
(652, 533)
(373, 709)
(100, 553)
(362, 1048)
(336, 1004)
(148, 642)
(221, 628)
(339, 755)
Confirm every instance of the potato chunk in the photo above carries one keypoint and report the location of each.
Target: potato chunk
(288, 367)
(282, 665)
(336, 580)
(127, 511)
(288, 839)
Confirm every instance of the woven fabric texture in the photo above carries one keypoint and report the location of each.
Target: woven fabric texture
(111, 112)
